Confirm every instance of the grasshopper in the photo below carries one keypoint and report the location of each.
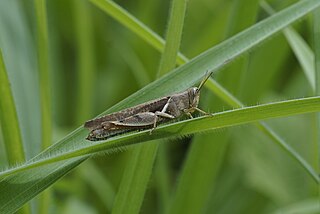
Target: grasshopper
(146, 115)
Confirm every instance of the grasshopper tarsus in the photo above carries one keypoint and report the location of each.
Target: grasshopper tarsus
(189, 115)
(147, 115)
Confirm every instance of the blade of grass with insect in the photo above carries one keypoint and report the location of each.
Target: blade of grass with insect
(138, 171)
(168, 63)
(207, 152)
(74, 153)
(125, 19)
(206, 123)
(187, 75)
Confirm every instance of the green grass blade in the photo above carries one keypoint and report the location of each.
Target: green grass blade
(125, 18)
(303, 53)
(290, 151)
(43, 67)
(221, 54)
(234, 102)
(8, 119)
(134, 62)
(316, 32)
(135, 179)
(199, 173)
(9, 123)
(186, 75)
(85, 60)
(101, 184)
(14, 29)
(173, 37)
(163, 175)
(16, 195)
(206, 123)
(300, 48)
(224, 94)
(138, 170)
(310, 205)
(204, 157)
(78, 149)
(44, 84)
(316, 37)
(167, 63)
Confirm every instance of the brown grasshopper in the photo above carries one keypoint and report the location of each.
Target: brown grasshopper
(146, 115)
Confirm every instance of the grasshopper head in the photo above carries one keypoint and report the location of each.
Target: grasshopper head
(194, 94)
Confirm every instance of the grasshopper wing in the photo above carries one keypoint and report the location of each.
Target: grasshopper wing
(151, 106)
(137, 120)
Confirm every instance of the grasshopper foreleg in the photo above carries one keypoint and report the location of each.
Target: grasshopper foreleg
(201, 111)
(188, 111)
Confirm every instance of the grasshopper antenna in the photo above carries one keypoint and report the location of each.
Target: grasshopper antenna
(206, 77)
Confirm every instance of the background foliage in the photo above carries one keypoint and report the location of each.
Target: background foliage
(96, 59)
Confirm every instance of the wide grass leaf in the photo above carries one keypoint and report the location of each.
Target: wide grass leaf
(47, 167)
(186, 127)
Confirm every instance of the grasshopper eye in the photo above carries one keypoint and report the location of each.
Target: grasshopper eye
(196, 92)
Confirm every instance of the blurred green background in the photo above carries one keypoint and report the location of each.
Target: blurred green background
(95, 62)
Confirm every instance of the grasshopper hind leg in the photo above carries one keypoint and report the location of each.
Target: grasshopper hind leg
(160, 114)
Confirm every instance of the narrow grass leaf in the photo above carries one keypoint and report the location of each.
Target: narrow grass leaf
(168, 63)
(101, 184)
(9, 123)
(316, 41)
(204, 156)
(139, 169)
(306, 206)
(135, 179)
(303, 53)
(8, 119)
(44, 84)
(125, 18)
(300, 48)
(173, 37)
(43, 67)
(85, 60)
